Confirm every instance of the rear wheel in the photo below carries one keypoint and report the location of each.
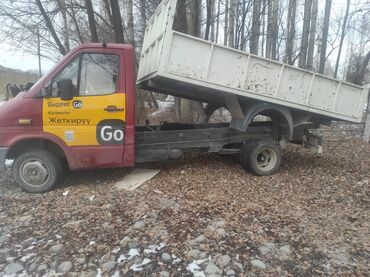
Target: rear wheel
(263, 158)
(37, 171)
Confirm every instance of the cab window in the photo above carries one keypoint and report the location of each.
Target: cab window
(98, 74)
(70, 72)
(91, 74)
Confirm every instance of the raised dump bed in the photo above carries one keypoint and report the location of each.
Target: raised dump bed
(189, 67)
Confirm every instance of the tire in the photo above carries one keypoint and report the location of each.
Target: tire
(37, 171)
(262, 158)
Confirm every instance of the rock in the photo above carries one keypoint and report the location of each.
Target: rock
(56, 248)
(218, 233)
(91, 273)
(166, 257)
(13, 268)
(285, 250)
(223, 261)
(25, 218)
(164, 274)
(230, 272)
(266, 248)
(81, 260)
(75, 223)
(109, 266)
(65, 267)
(139, 225)
(125, 241)
(3, 238)
(42, 267)
(195, 254)
(4, 253)
(237, 266)
(259, 264)
(200, 239)
(220, 223)
(212, 269)
(341, 259)
(133, 244)
(33, 267)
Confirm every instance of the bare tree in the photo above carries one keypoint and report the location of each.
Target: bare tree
(130, 22)
(63, 10)
(275, 29)
(292, 9)
(256, 27)
(305, 34)
(344, 28)
(324, 38)
(311, 43)
(117, 22)
(226, 28)
(231, 31)
(92, 23)
(50, 27)
(208, 18)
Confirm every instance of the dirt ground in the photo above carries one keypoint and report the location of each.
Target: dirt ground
(203, 215)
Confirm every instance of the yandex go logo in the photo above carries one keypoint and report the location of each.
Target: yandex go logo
(110, 132)
(77, 104)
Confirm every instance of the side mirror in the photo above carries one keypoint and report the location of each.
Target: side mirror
(65, 87)
(46, 90)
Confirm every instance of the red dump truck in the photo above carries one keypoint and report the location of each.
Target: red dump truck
(82, 113)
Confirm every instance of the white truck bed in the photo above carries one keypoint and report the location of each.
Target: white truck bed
(189, 67)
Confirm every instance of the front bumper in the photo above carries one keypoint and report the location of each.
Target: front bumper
(3, 152)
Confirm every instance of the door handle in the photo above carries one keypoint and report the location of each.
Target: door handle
(113, 109)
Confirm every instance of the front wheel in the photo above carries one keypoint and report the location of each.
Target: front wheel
(37, 171)
(263, 158)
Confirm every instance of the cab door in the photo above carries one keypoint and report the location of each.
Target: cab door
(92, 122)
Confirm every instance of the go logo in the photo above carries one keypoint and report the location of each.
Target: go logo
(110, 132)
(77, 104)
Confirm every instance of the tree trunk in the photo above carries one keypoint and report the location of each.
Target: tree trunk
(213, 17)
(256, 27)
(244, 13)
(305, 34)
(77, 26)
(231, 35)
(226, 29)
(275, 29)
(325, 33)
(218, 19)
(51, 29)
(209, 18)
(270, 26)
(130, 23)
(292, 9)
(194, 17)
(311, 44)
(344, 28)
(117, 22)
(92, 23)
(63, 10)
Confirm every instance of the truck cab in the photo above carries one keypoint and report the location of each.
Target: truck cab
(81, 113)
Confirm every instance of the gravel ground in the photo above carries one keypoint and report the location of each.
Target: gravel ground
(203, 215)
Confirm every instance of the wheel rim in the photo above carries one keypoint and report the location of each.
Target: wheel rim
(34, 172)
(266, 159)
